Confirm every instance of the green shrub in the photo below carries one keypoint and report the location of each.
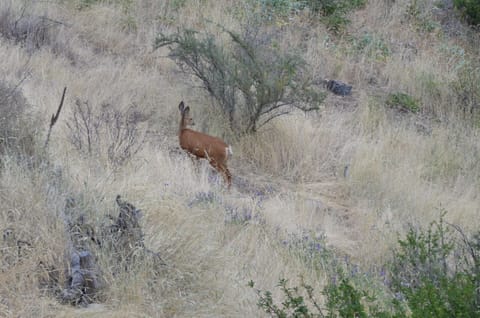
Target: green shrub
(333, 12)
(403, 102)
(293, 305)
(343, 300)
(342, 295)
(251, 77)
(436, 274)
(471, 10)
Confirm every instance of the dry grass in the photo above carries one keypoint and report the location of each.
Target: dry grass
(289, 178)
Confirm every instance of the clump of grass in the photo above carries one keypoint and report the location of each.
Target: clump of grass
(29, 30)
(419, 13)
(403, 102)
(17, 129)
(333, 13)
(467, 88)
(371, 45)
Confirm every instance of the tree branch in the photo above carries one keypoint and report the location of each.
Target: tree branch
(55, 118)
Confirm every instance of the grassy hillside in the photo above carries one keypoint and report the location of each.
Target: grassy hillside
(310, 189)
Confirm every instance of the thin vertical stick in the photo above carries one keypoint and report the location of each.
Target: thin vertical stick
(55, 118)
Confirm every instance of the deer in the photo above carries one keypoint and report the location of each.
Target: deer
(203, 146)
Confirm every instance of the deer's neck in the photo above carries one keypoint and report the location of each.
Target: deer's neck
(183, 125)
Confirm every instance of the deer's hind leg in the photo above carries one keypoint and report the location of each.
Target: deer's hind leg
(223, 170)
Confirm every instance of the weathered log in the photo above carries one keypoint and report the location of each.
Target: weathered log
(84, 282)
(83, 275)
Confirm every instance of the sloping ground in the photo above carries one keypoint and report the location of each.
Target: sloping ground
(350, 176)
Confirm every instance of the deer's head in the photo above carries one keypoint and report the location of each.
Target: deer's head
(187, 119)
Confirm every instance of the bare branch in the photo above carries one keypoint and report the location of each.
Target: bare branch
(55, 117)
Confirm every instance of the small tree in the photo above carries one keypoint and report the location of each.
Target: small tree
(251, 77)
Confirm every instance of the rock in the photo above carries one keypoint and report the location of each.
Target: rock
(338, 87)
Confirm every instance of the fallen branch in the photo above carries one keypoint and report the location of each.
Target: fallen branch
(84, 282)
(55, 118)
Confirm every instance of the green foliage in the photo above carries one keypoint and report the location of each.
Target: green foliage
(334, 12)
(403, 101)
(471, 10)
(251, 77)
(293, 305)
(421, 255)
(344, 300)
(435, 275)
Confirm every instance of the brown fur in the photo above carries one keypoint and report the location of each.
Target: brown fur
(202, 145)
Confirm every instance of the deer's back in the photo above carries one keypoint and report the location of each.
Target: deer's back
(203, 145)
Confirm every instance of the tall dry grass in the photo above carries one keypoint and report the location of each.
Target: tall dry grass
(354, 172)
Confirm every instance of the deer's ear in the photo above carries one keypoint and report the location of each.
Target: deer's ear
(181, 106)
(187, 109)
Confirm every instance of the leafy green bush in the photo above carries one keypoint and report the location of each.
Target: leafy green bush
(434, 272)
(343, 300)
(251, 77)
(403, 101)
(437, 275)
(471, 10)
(293, 305)
(342, 295)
